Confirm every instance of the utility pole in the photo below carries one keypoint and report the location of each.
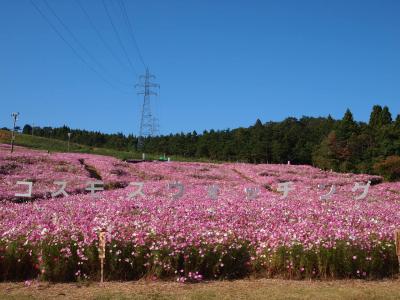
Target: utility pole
(69, 139)
(15, 118)
(147, 121)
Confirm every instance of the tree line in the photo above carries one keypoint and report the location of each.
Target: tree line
(343, 145)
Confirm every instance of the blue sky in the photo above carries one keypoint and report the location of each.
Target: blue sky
(220, 64)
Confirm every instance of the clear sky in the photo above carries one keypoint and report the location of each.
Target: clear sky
(220, 64)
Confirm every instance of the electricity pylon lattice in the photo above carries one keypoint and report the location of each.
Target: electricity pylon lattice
(156, 127)
(147, 124)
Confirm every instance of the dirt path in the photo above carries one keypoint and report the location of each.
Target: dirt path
(240, 289)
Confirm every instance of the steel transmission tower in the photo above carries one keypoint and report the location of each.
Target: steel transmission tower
(147, 125)
(156, 127)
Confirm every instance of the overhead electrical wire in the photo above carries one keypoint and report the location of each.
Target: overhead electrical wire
(77, 54)
(130, 30)
(118, 36)
(97, 62)
(100, 36)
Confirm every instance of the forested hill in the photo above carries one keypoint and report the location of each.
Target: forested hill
(342, 145)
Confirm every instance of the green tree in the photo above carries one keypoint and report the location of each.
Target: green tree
(27, 129)
(375, 116)
(386, 116)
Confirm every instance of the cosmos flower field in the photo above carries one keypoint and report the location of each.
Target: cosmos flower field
(193, 237)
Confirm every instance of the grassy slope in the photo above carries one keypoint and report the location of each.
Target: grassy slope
(53, 145)
(240, 289)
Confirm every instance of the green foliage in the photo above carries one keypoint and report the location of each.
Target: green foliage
(375, 117)
(389, 168)
(17, 261)
(341, 261)
(357, 147)
(27, 129)
(58, 262)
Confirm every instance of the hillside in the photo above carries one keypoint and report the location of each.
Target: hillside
(344, 145)
(54, 145)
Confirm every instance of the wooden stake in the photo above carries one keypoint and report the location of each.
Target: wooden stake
(102, 270)
(397, 239)
(102, 253)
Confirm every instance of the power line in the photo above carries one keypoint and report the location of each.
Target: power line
(80, 57)
(118, 37)
(130, 30)
(98, 63)
(109, 48)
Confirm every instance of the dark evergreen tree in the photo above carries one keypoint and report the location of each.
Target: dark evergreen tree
(27, 129)
(375, 117)
(386, 116)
